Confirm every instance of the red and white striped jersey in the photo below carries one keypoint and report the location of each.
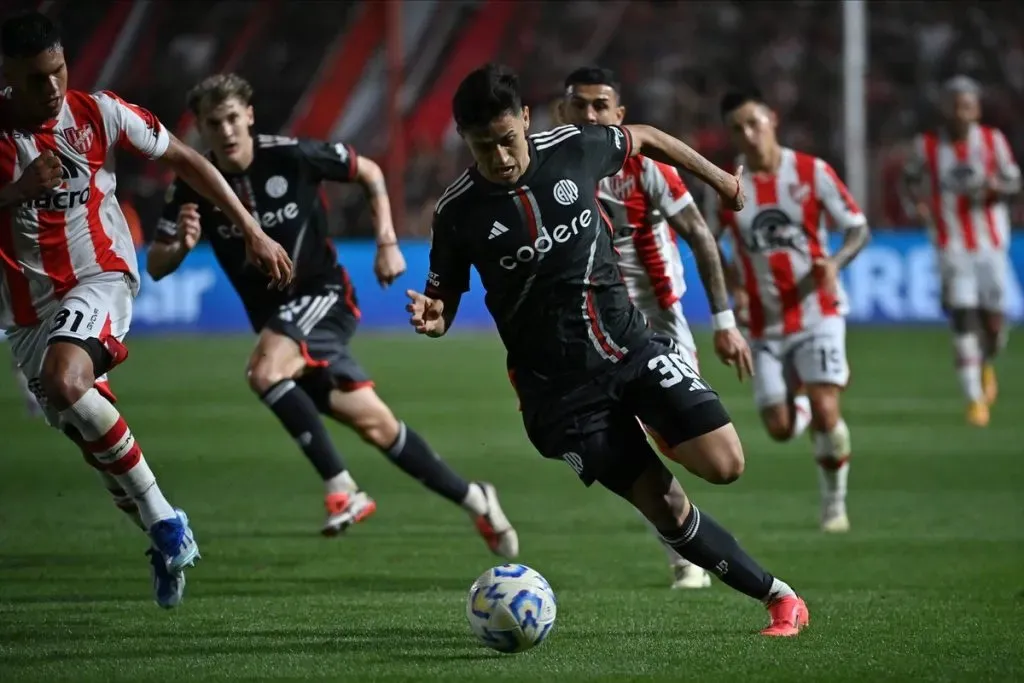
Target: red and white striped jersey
(954, 174)
(639, 198)
(49, 244)
(778, 235)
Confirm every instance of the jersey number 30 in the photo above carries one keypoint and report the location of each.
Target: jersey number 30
(674, 370)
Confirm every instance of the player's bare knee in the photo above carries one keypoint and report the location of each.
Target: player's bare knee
(716, 457)
(777, 422)
(263, 375)
(66, 375)
(729, 460)
(824, 401)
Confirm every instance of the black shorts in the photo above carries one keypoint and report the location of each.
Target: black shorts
(322, 323)
(594, 427)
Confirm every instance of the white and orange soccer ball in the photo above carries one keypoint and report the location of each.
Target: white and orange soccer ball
(511, 608)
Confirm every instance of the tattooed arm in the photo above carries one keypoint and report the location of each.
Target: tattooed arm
(690, 225)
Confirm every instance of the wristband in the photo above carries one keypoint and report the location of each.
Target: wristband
(387, 244)
(723, 321)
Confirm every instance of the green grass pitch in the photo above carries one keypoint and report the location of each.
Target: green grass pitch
(926, 587)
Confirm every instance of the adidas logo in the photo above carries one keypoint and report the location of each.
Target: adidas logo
(497, 230)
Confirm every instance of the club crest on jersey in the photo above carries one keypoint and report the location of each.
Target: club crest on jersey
(566, 192)
(622, 185)
(799, 192)
(276, 186)
(81, 138)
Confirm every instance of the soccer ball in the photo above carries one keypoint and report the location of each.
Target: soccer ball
(511, 608)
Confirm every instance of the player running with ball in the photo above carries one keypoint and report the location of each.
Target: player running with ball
(584, 362)
(649, 204)
(788, 282)
(302, 365)
(69, 274)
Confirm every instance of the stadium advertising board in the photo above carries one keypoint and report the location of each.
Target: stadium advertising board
(894, 281)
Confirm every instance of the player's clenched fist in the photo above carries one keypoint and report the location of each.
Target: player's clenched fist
(189, 227)
(268, 256)
(41, 176)
(426, 314)
(389, 264)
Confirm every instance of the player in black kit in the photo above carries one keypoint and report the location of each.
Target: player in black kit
(302, 365)
(580, 355)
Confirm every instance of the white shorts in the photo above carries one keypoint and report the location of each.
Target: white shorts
(99, 307)
(672, 323)
(814, 356)
(974, 279)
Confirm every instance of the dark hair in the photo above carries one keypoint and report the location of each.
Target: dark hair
(217, 89)
(593, 75)
(27, 34)
(486, 94)
(734, 99)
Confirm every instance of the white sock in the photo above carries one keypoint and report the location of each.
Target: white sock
(832, 451)
(780, 589)
(110, 441)
(968, 365)
(341, 483)
(801, 415)
(22, 381)
(475, 501)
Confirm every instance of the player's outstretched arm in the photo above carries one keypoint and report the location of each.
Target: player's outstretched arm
(729, 343)
(193, 169)
(661, 146)
(430, 316)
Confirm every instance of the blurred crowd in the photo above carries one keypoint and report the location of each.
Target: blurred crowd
(675, 59)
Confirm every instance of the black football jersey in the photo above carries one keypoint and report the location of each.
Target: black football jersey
(281, 188)
(544, 253)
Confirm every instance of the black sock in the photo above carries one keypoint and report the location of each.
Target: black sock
(417, 459)
(706, 544)
(299, 415)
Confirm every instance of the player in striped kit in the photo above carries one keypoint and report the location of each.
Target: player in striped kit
(788, 282)
(68, 267)
(958, 181)
(648, 204)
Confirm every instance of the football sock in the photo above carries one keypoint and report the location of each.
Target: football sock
(475, 501)
(674, 558)
(801, 416)
(300, 417)
(23, 388)
(968, 365)
(832, 451)
(106, 436)
(122, 500)
(417, 459)
(341, 483)
(703, 542)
